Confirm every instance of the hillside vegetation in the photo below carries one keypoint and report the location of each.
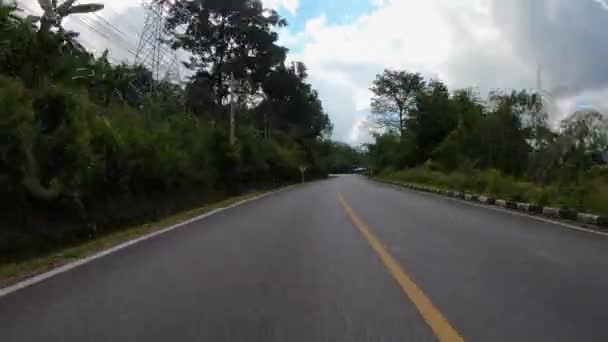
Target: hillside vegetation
(503, 147)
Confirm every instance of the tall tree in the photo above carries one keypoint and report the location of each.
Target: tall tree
(228, 40)
(504, 138)
(431, 119)
(55, 12)
(464, 143)
(394, 97)
(292, 106)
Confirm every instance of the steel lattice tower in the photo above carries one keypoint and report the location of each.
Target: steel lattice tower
(152, 50)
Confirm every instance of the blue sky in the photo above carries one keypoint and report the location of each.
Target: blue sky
(336, 11)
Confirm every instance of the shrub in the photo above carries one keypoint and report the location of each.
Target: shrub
(591, 196)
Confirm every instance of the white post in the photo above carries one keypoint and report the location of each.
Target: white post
(303, 171)
(232, 130)
(233, 99)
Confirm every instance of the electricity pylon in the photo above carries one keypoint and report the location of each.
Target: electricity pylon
(152, 49)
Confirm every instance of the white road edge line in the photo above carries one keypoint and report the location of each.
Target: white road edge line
(512, 212)
(72, 265)
(538, 218)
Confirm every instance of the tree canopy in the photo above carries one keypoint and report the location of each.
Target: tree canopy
(228, 40)
(394, 98)
(509, 132)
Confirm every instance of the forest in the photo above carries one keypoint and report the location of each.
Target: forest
(88, 146)
(506, 145)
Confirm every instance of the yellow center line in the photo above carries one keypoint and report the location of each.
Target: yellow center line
(433, 317)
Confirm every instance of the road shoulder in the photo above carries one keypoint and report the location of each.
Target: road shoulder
(20, 274)
(567, 218)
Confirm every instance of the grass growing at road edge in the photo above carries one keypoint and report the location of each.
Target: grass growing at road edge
(13, 272)
(590, 195)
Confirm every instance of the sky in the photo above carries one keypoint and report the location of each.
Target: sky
(480, 44)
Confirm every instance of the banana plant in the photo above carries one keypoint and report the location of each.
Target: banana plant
(55, 12)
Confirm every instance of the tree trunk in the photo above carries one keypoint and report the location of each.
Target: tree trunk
(401, 123)
(45, 26)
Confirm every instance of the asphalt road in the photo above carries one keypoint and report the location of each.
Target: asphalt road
(298, 266)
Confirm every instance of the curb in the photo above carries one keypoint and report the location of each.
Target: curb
(600, 222)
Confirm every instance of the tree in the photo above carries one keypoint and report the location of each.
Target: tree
(292, 106)
(107, 82)
(464, 143)
(228, 40)
(391, 151)
(536, 122)
(394, 98)
(343, 158)
(55, 12)
(504, 139)
(587, 129)
(431, 119)
(570, 153)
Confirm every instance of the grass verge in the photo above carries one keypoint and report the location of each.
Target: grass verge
(590, 195)
(13, 272)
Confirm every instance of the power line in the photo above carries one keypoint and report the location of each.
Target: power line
(113, 12)
(147, 49)
(107, 34)
(109, 24)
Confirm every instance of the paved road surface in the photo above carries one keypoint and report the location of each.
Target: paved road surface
(296, 266)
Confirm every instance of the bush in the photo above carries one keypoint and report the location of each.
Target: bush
(76, 165)
(16, 135)
(591, 196)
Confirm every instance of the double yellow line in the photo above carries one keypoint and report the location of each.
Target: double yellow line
(432, 316)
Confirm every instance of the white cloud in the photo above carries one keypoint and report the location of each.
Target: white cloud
(485, 44)
(290, 5)
(602, 3)
(361, 130)
(344, 58)
(288, 38)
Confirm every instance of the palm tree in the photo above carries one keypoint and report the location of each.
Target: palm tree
(54, 13)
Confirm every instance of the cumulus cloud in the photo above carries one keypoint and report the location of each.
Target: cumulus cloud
(566, 37)
(485, 44)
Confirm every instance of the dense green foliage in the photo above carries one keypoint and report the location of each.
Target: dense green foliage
(588, 195)
(394, 98)
(343, 158)
(456, 140)
(87, 146)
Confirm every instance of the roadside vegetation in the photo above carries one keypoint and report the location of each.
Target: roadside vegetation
(88, 147)
(16, 270)
(503, 147)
